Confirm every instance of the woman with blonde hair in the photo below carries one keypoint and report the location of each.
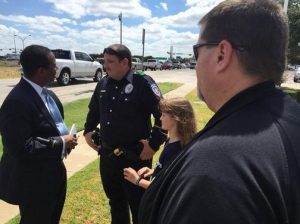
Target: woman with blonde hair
(179, 120)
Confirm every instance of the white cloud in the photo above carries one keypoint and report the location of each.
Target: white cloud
(93, 36)
(43, 23)
(80, 8)
(102, 23)
(164, 6)
(196, 2)
(188, 18)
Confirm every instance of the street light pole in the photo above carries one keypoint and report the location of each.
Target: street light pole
(121, 20)
(22, 38)
(15, 43)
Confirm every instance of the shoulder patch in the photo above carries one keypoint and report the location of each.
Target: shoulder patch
(155, 90)
(153, 86)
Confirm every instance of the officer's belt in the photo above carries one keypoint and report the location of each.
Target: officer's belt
(111, 150)
(130, 152)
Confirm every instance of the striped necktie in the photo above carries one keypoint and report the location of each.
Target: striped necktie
(55, 113)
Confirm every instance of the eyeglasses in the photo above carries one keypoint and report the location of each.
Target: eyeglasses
(197, 46)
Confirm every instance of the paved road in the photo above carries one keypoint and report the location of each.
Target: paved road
(84, 88)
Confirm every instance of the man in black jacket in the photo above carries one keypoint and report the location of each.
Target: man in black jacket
(122, 104)
(35, 139)
(243, 167)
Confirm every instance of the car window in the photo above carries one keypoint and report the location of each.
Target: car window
(86, 57)
(78, 56)
(61, 54)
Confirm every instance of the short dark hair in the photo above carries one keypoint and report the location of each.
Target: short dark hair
(34, 57)
(120, 50)
(259, 26)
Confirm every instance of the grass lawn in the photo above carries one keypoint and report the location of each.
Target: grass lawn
(9, 69)
(203, 114)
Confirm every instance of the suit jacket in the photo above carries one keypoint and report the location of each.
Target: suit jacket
(243, 167)
(29, 169)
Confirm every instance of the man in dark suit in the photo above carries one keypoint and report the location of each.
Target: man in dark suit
(32, 173)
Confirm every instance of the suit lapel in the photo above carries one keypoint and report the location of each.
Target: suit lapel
(38, 101)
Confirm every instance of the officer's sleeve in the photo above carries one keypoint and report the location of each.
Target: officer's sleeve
(93, 116)
(151, 96)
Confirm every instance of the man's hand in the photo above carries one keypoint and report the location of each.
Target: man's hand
(146, 171)
(70, 142)
(130, 175)
(147, 152)
(89, 141)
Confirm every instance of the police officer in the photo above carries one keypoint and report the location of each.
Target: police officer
(122, 104)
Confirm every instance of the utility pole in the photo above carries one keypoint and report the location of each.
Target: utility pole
(121, 20)
(15, 43)
(143, 42)
(285, 5)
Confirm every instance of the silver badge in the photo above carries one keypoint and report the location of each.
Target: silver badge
(128, 88)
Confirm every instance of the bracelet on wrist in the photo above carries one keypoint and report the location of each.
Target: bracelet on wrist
(138, 180)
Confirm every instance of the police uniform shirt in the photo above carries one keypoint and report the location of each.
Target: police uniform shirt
(123, 108)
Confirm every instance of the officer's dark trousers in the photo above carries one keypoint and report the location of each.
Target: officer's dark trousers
(121, 193)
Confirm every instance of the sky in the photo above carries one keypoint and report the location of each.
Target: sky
(92, 25)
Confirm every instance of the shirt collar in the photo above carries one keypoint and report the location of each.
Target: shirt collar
(35, 86)
(258, 91)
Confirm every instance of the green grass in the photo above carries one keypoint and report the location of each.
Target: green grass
(203, 113)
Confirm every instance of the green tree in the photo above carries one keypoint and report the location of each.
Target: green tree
(294, 25)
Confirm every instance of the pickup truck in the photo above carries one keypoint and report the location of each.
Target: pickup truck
(136, 64)
(75, 64)
(152, 64)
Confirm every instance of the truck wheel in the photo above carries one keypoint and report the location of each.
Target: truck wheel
(64, 78)
(98, 75)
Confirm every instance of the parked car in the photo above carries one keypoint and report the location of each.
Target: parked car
(75, 64)
(192, 65)
(101, 61)
(136, 64)
(297, 75)
(167, 66)
(183, 65)
(176, 64)
(292, 67)
(152, 64)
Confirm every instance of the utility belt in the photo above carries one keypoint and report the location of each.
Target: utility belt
(130, 152)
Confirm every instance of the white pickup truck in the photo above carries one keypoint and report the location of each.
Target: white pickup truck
(152, 64)
(136, 64)
(75, 64)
